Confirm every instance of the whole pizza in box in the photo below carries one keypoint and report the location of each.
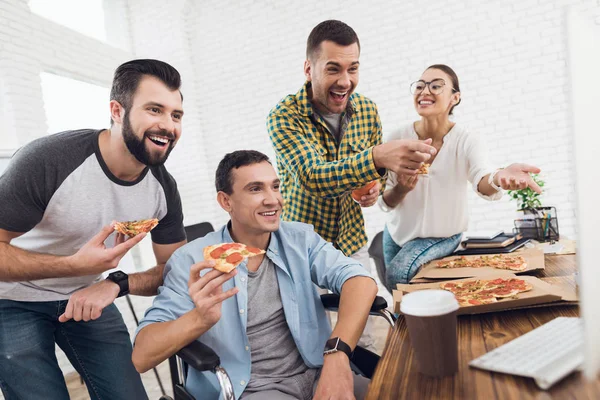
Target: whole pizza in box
(485, 291)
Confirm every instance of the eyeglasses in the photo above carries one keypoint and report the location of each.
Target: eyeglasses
(436, 86)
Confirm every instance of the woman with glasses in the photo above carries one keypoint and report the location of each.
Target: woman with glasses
(428, 212)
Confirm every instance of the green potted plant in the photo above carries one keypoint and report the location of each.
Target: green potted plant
(527, 200)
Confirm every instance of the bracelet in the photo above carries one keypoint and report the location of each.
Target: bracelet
(491, 180)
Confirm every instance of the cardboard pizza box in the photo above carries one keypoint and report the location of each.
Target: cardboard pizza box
(534, 258)
(543, 293)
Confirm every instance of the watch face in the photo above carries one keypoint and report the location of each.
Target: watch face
(119, 275)
(331, 344)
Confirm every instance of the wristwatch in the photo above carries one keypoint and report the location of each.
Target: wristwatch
(336, 344)
(121, 279)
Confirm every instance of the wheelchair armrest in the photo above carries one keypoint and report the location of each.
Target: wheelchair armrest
(199, 356)
(332, 302)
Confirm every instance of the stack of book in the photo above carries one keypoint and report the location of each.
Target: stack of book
(495, 242)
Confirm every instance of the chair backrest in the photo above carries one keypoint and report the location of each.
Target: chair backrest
(376, 253)
(198, 230)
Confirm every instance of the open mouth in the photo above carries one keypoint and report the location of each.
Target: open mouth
(426, 102)
(160, 141)
(338, 96)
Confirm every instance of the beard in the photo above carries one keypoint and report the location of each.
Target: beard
(137, 147)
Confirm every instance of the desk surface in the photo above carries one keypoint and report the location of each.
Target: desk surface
(397, 378)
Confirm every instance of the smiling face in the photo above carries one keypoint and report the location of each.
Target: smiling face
(255, 202)
(333, 74)
(428, 104)
(152, 126)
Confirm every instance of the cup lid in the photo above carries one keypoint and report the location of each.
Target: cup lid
(427, 303)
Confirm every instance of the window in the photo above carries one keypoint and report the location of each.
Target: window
(86, 17)
(72, 104)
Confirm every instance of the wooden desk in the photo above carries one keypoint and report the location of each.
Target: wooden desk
(397, 378)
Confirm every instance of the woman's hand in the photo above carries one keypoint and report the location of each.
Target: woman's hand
(406, 183)
(516, 177)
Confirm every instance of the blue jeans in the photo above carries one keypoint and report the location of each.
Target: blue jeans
(403, 263)
(99, 350)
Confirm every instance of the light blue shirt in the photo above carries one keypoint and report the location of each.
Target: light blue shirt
(301, 258)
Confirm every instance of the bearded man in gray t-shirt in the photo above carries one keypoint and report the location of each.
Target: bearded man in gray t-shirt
(59, 195)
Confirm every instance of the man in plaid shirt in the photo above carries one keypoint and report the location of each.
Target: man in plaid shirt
(328, 143)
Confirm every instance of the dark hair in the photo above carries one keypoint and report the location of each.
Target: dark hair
(128, 75)
(237, 159)
(450, 72)
(333, 30)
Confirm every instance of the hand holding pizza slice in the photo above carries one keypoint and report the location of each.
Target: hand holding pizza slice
(227, 256)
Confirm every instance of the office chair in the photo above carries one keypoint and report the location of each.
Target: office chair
(198, 230)
(376, 253)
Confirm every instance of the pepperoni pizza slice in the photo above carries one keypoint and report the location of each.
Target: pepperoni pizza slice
(227, 256)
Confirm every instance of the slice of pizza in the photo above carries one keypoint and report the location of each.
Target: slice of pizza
(227, 256)
(423, 169)
(133, 228)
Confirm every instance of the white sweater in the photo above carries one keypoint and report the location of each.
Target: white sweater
(437, 206)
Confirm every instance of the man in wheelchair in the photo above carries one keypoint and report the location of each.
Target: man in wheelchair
(264, 319)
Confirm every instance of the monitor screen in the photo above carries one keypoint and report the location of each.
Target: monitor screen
(584, 66)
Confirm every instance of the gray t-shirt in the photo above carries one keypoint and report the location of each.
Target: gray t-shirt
(276, 361)
(59, 190)
(333, 122)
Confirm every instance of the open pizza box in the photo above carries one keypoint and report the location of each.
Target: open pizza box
(543, 293)
(533, 257)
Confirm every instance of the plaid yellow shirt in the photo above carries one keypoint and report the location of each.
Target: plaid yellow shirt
(318, 175)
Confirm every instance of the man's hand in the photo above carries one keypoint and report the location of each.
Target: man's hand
(336, 381)
(371, 198)
(87, 304)
(207, 292)
(95, 258)
(403, 156)
(516, 177)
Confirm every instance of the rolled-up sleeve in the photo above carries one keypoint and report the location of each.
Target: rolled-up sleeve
(329, 267)
(173, 299)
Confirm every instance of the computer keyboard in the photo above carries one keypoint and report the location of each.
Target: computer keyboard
(547, 354)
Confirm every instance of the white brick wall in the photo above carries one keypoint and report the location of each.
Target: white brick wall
(510, 57)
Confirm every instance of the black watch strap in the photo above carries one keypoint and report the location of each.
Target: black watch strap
(336, 344)
(121, 279)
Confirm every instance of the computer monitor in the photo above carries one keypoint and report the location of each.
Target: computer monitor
(584, 68)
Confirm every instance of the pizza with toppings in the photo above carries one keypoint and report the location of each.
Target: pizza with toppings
(227, 256)
(480, 291)
(133, 228)
(499, 261)
(423, 169)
